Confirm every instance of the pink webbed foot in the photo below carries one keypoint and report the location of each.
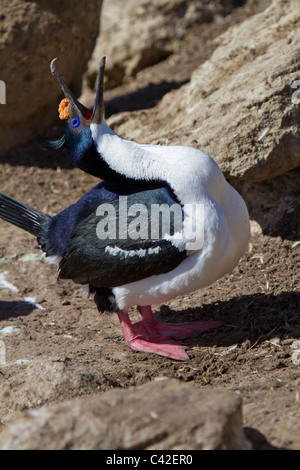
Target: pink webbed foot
(175, 330)
(150, 335)
(138, 337)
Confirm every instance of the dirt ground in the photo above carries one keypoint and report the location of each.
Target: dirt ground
(252, 354)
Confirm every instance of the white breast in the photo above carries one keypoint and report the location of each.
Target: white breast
(226, 237)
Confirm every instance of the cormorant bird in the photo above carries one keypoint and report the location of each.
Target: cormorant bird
(116, 239)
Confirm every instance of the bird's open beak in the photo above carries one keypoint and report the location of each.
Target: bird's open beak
(98, 109)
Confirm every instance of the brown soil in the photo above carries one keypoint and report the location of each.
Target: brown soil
(258, 302)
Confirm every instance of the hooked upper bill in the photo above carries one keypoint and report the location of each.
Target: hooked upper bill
(70, 101)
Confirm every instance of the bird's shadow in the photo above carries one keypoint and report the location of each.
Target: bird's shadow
(273, 203)
(15, 308)
(254, 317)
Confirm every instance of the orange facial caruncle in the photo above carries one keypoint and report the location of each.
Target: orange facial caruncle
(64, 109)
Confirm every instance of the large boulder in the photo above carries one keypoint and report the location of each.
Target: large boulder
(240, 104)
(137, 34)
(165, 414)
(32, 34)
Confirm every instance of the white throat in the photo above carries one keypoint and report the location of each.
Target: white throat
(191, 173)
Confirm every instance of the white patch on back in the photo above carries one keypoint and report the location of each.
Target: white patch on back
(116, 251)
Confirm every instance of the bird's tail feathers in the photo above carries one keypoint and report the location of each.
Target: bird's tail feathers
(22, 215)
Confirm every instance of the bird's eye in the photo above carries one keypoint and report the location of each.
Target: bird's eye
(75, 122)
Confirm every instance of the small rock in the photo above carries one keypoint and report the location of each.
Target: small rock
(9, 330)
(296, 357)
(296, 344)
(255, 228)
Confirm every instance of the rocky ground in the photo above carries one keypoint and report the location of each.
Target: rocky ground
(58, 347)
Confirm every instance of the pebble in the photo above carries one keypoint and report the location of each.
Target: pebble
(276, 340)
(296, 354)
(9, 330)
(296, 357)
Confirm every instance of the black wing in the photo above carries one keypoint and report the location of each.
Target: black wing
(142, 252)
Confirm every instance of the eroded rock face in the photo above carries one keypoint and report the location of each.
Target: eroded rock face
(137, 34)
(32, 34)
(238, 106)
(144, 417)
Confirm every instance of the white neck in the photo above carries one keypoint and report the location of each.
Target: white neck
(190, 172)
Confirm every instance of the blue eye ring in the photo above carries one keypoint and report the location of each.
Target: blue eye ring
(75, 122)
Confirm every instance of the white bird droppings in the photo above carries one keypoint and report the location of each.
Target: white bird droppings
(4, 284)
(31, 300)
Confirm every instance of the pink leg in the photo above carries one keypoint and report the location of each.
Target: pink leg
(149, 335)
